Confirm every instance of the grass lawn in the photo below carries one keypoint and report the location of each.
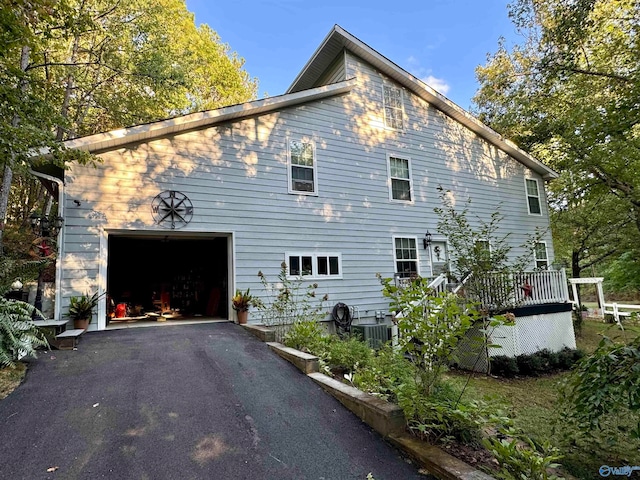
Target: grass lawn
(10, 378)
(531, 402)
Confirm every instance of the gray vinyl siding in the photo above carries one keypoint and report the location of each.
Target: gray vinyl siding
(235, 174)
(335, 73)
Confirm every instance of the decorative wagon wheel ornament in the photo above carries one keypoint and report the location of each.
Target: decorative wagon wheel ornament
(172, 208)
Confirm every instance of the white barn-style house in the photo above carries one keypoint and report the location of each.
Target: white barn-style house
(337, 177)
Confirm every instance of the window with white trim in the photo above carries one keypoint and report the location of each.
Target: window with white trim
(314, 265)
(400, 179)
(393, 107)
(406, 256)
(482, 253)
(533, 196)
(540, 253)
(302, 167)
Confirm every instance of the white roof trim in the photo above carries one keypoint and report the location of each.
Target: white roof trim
(116, 138)
(340, 37)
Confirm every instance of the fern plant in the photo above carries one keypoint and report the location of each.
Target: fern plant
(19, 337)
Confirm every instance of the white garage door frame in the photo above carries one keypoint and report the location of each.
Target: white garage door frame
(191, 234)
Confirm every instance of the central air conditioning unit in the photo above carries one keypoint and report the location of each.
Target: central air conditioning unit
(375, 335)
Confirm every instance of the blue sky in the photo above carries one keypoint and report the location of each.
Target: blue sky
(439, 41)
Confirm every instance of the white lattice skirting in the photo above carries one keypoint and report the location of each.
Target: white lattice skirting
(531, 334)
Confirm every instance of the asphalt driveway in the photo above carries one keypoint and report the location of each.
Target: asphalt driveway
(205, 401)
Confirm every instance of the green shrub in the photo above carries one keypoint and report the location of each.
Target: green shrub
(442, 416)
(531, 365)
(604, 382)
(385, 371)
(504, 366)
(544, 361)
(550, 360)
(307, 336)
(348, 354)
(568, 357)
(521, 458)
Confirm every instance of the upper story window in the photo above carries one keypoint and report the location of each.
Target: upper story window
(314, 265)
(393, 107)
(400, 179)
(540, 253)
(302, 167)
(406, 257)
(533, 196)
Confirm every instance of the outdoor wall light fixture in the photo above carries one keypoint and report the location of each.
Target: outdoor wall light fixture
(426, 241)
(42, 226)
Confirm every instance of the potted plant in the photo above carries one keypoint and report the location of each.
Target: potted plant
(81, 309)
(241, 302)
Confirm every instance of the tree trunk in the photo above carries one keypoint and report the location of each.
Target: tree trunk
(8, 173)
(4, 200)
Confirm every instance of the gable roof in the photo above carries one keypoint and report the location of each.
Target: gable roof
(339, 39)
(147, 131)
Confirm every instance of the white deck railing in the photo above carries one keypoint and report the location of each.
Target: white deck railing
(521, 289)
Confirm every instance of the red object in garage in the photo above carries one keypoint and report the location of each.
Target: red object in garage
(121, 310)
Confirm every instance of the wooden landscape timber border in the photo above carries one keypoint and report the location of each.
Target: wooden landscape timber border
(385, 418)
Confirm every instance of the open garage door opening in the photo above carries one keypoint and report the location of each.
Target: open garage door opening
(168, 277)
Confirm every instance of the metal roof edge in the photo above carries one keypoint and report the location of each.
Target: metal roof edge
(311, 60)
(122, 136)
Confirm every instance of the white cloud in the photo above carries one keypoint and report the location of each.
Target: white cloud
(438, 84)
(424, 74)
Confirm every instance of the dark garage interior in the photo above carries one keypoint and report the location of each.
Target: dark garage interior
(173, 276)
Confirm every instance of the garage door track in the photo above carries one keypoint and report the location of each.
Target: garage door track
(206, 401)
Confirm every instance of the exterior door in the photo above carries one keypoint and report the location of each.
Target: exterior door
(439, 257)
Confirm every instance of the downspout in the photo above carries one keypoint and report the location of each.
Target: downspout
(60, 244)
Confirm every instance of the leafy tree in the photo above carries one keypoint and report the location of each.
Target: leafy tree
(78, 67)
(623, 274)
(569, 94)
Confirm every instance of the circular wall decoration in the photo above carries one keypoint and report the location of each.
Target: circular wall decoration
(171, 208)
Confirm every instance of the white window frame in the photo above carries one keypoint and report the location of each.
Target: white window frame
(483, 240)
(390, 178)
(314, 275)
(488, 243)
(401, 108)
(290, 166)
(546, 253)
(526, 192)
(396, 260)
